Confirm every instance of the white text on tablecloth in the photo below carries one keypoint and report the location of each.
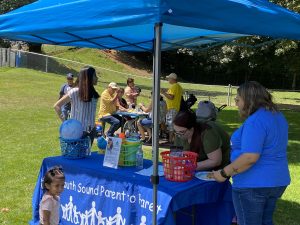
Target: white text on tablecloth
(102, 191)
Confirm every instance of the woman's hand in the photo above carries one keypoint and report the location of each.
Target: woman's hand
(218, 177)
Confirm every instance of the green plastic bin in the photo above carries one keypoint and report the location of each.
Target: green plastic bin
(128, 154)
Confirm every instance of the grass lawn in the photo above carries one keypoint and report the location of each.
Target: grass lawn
(29, 133)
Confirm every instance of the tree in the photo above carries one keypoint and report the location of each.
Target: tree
(9, 5)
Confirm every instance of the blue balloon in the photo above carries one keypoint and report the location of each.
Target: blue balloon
(101, 142)
(71, 129)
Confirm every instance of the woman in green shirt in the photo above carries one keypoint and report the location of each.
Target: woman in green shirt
(207, 139)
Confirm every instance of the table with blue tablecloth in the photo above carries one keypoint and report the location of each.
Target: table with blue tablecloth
(95, 194)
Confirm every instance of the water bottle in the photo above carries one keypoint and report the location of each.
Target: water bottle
(139, 158)
(127, 133)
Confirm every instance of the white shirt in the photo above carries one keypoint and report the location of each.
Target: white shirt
(50, 204)
(83, 111)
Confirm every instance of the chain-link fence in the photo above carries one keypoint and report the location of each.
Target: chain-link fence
(7, 57)
(50, 64)
(216, 93)
(60, 66)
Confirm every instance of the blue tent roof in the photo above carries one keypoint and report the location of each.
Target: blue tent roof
(128, 25)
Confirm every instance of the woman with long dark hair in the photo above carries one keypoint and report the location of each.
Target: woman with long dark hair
(259, 166)
(208, 140)
(83, 100)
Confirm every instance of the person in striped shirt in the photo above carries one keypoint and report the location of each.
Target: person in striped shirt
(83, 100)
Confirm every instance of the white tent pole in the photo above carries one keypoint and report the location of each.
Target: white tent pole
(155, 115)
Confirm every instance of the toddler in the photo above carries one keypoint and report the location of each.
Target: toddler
(53, 184)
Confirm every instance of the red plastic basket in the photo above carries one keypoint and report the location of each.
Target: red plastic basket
(179, 168)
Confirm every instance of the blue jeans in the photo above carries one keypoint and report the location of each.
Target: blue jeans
(146, 122)
(255, 206)
(115, 124)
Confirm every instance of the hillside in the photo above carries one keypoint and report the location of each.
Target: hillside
(121, 65)
(110, 59)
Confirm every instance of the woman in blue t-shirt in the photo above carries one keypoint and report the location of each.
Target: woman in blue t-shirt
(259, 166)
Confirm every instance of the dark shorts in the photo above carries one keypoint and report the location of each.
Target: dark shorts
(146, 122)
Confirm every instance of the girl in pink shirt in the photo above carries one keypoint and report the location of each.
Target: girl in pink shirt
(53, 183)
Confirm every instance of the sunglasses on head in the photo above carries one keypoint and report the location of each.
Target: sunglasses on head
(55, 170)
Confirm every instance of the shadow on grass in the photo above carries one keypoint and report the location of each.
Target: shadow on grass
(294, 99)
(32, 61)
(293, 153)
(59, 68)
(287, 212)
(285, 107)
(142, 61)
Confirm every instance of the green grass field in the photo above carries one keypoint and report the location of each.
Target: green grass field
(29, 133)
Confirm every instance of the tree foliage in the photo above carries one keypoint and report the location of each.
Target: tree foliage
(274, 63)
(9, 5)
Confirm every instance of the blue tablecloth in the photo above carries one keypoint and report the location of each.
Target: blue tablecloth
(131, 114)
(93, 192)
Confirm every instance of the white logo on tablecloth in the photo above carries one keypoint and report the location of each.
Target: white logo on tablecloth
(143, 220)
(89, 217)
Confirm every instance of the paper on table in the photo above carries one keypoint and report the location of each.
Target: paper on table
(149, 171)
(112, 152)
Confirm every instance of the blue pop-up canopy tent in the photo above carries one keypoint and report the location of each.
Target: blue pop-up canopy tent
(147, 25)
(129, 25)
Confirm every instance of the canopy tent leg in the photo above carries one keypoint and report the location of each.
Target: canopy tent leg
(155, 115)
